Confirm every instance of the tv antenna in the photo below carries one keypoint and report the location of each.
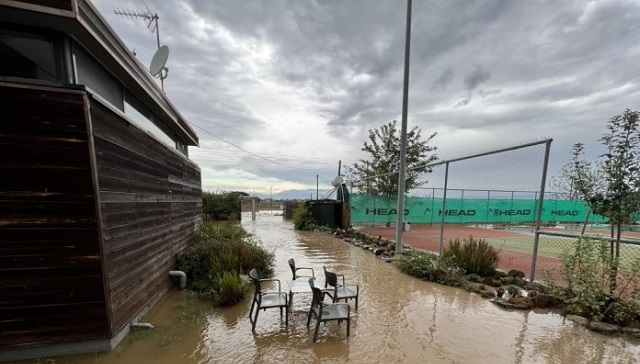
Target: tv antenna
(159, 60)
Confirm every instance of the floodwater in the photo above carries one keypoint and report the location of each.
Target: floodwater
(399, 320)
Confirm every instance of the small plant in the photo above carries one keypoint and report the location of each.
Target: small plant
(585, 284)
(499, 291)
(231, 289)
(474, 277)
(513, 291)
(427, 266)
(302, 219)
(475, 256)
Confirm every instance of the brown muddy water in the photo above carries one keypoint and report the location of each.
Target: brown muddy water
(399, 320)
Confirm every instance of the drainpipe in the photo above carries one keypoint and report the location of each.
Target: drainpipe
(180, 275)
(142, 325)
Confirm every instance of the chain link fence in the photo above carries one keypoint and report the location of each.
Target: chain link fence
(497, 196)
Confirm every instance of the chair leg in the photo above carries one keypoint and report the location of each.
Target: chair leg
(348, 327)
(308, 318)
(286, 317)
(290, 301)
(356, 303)
(251, 311)
(253, 328)
(315, 335)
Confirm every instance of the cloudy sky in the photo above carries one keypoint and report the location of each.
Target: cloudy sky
(279, 91)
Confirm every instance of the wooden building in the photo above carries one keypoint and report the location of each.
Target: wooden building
(97, 193)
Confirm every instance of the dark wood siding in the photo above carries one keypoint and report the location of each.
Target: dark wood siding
(51, 286)
(150, 201)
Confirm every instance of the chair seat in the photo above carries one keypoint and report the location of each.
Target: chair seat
(345, 292)
(267, 299)
(334, 312)
(273, 300)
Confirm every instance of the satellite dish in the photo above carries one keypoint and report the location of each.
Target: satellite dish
(159, 60)
(337, 181)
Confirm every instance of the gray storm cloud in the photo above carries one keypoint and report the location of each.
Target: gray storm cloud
(475, 78)
(443, 80)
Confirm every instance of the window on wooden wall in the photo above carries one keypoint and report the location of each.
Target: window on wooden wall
(144, 119)
(92, 74)
(30, 55)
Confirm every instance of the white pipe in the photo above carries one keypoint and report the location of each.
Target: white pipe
(181, 275)
(143, 325)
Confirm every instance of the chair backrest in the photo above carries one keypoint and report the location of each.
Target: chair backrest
(317, 293)
(330, 278)
(292, 265)
(253, 273)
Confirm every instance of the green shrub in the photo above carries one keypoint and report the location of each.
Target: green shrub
(585, 285)
(220, 254)
(427, 266)
(222, 206)
(475, 256)
(302, 219)
(474, 278)
(231, 289)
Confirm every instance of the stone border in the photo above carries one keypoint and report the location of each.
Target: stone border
(536, 294)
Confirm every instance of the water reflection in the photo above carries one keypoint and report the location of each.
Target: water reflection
(399, 320)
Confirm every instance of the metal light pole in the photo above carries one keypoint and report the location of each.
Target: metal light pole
(403, 134)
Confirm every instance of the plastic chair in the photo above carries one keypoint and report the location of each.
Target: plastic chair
(294, 270)
(327, 311)
(267, 299)
(338, 291)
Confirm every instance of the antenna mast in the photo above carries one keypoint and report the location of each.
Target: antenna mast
(152, 24)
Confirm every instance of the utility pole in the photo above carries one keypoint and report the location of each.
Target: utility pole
(403, 134)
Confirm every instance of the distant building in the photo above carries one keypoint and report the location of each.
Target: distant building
(97, 193)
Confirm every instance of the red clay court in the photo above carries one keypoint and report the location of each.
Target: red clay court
(427, 237)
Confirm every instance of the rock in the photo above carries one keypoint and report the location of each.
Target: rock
(387, 259)
(516, 273)
(472, 287)
(378, 251)
(506, 280)
(519, 281)
(603, 328)
(499, 274)
(502, 303)
(631, 331)
(492, 282)
(544, 300)
(487, 294)
(522, 303)
(532, 293)
(578, 319)
(536, 286)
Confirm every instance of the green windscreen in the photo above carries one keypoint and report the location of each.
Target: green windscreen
(380, 209)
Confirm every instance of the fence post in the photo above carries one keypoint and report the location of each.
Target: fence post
(444, 203)
(536, 239)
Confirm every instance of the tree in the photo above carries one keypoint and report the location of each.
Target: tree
(378, 175)
(578, 170)
(619, 196)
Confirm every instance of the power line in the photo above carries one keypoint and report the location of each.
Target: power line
(250, 152)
